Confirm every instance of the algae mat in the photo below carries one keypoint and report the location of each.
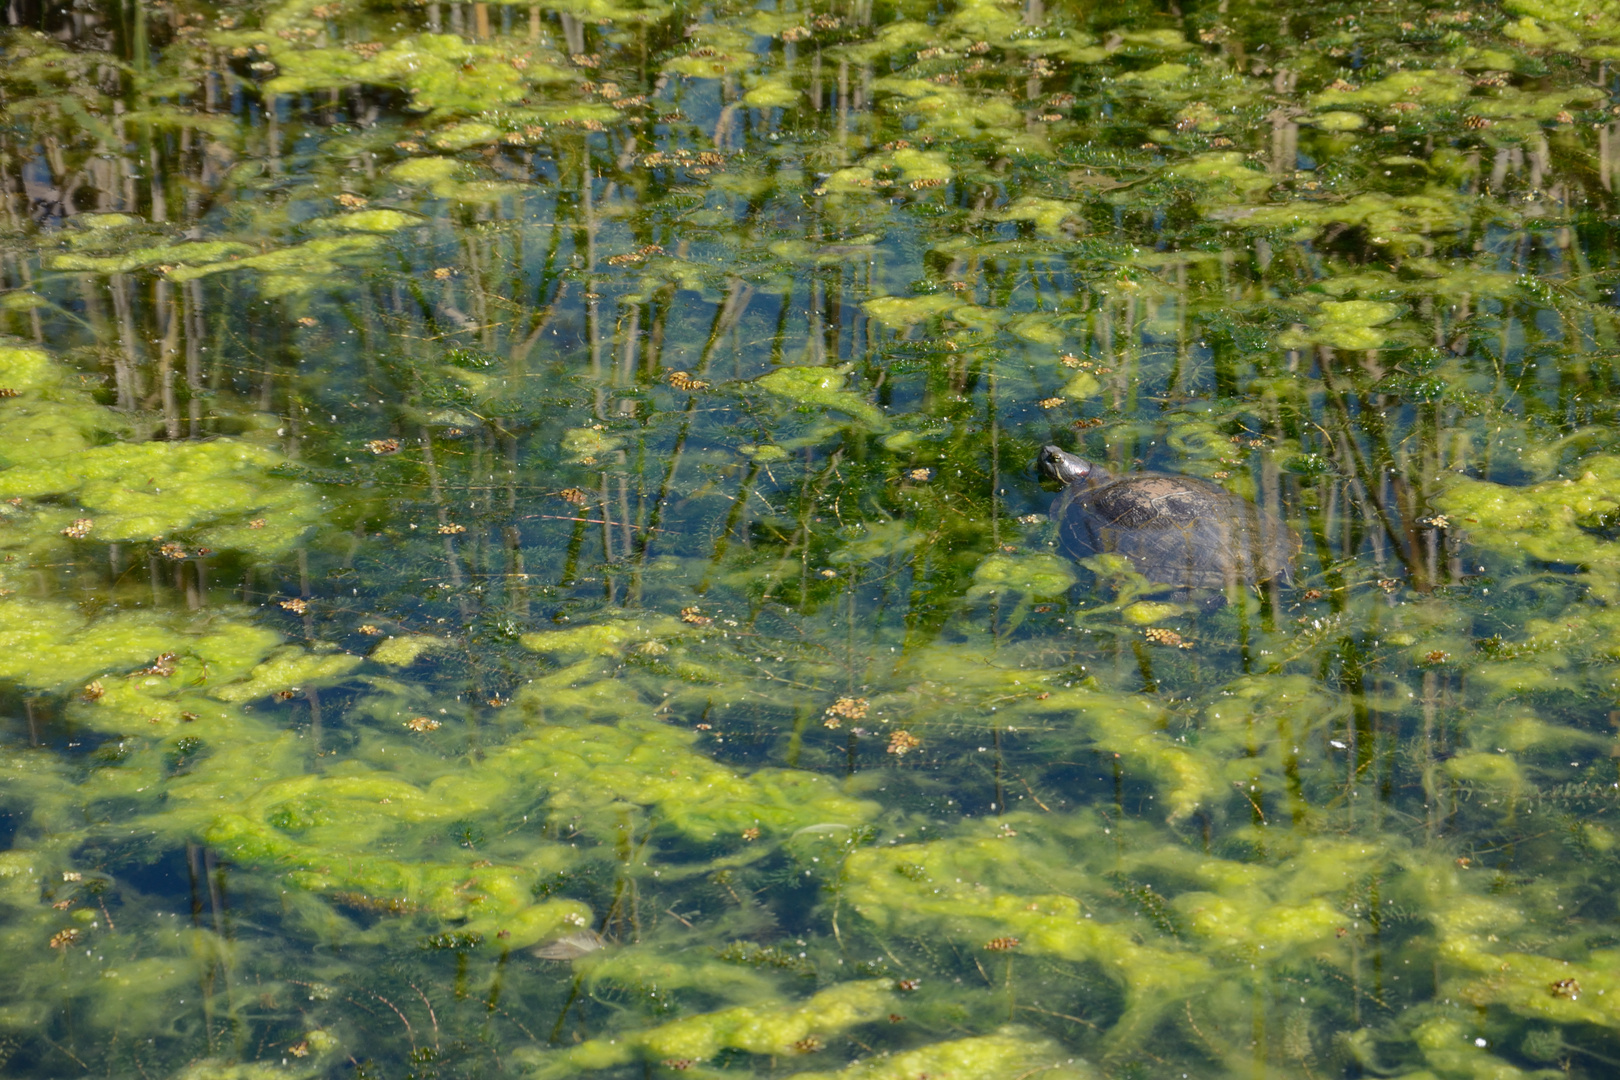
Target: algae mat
(519, 550)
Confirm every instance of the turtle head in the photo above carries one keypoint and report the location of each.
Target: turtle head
(1065, 468)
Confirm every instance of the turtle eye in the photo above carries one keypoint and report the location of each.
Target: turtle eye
(1062, 467)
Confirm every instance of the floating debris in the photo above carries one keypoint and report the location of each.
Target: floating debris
(902, 743)
(845, 708)
(572, 946)
(680, 380)
(1159, 635)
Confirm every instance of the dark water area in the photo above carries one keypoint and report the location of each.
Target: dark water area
(521, 550)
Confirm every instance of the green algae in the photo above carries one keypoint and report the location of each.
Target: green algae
(404, 651)
(823, 388)
(1008, 1053)
(750, 1029)
(207, 492)
(290, 669)
(576, 600)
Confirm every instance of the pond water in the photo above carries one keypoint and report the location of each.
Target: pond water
(520, 551)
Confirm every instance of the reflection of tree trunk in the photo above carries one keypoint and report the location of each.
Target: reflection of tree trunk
(738, 294)
(192, 190)
(833, 324)
(272, 137)
(660, 306)
(1608, 151)
(631, 351)
(129, 205)
(1271, 498)
(1284, 146)
(104, 178)
(1319, 514)
(573, 32)
(517, 581)
(843, 108)
(194, 584)
(267, 385)
(477, 297)
(314, 700)
(126, 366)
(593, 313)
(194, 337)
(34, 323)
(140, 45)
(624, 506)
(607, 535)
(816, 338)
(8, 186)
(1373, 486)
(734, 517)
(1499, 169)
(542, 318)
(1125, 364)
(1103, 331)
(540, 315)
(656, 517)
(168, 305)
(65, 184)
(160, 205)
(1178, 385)
(452, 561)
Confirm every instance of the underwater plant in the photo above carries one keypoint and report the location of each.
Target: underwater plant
(520, 548)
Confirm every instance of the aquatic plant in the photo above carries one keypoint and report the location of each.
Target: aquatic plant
(518, 549)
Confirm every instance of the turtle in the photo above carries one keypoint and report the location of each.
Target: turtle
(1176, 530)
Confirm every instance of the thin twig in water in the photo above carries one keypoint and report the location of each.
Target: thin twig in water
(1060, 1016)
(532, 1036)
(1034, 796)
(410, 1032)
(58, 1046)
(431, 1015)
(1036, 1071)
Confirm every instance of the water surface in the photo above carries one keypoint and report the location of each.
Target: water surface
(521, 555)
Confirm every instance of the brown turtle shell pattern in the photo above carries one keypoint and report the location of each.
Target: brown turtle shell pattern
(1176, 530)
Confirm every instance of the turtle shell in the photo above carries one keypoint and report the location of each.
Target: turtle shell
(1176, 530)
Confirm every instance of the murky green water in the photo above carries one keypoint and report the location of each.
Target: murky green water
(521, 554)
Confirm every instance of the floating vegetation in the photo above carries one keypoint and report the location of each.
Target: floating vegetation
(519, 548)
